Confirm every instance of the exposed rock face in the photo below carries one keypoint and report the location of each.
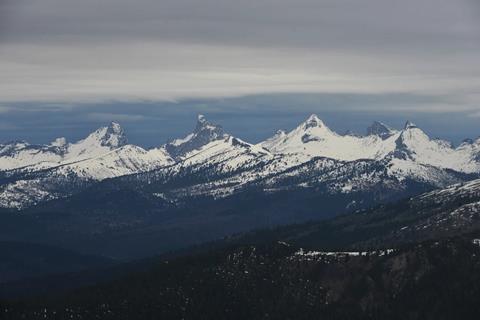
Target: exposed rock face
(204, 133)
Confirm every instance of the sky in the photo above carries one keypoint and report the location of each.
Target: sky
(69, 66)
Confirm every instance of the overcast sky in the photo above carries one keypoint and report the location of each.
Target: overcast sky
(97, 59)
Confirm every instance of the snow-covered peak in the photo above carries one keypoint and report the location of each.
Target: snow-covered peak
(313, 122)
(313, 128)
(380, 129)
(413, 140)
(413, 134)
(125, 160)
(111, 136)
(97, 143)
(416, 146)
(204, 133)
(313, 138)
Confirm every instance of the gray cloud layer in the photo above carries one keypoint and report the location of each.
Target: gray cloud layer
(90, 50)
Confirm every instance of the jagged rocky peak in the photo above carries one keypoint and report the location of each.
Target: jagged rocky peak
(204, 126)
(115, 135)
(380, 129)
(112, 136)
(204, 133)
(201, 120)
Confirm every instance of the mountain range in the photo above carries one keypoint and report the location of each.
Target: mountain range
(103, 196)
(311, 154)
(308, 223)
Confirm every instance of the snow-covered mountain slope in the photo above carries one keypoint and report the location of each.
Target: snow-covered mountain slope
(413, 144)
(312, 155)
(314, 139)
(210, 146)
(207, 146)
(22, 154)
(471, 147)
(209, 162)
(33, 187)
(375, 180)
(270, 143)
(97, 143)
(128, 159)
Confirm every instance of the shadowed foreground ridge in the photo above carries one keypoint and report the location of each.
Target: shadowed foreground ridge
(432, 280)
(418, 258)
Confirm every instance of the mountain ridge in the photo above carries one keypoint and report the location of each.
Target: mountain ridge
(229, 165)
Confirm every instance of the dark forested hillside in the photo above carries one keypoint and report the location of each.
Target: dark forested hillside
(26, 260)
(418, 258)
(432, 280)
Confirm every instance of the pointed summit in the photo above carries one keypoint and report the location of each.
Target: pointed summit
(201, 118)
(204, 133)
(313, 121)
(203, 124)
(111, 136)
(380, 129)
(115, 127)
